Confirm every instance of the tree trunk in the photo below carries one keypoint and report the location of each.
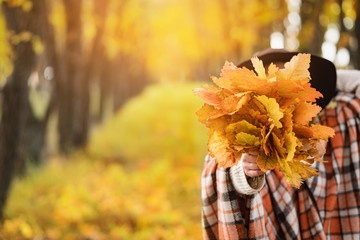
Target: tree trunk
(35, 133)
(130, 82)
(105, 92)
(310, 17)
(15, 97)
(92, 70)
(69, 88)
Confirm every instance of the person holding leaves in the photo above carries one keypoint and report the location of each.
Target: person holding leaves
(244, 202)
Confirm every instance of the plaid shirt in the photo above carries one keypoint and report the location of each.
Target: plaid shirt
(325, 207)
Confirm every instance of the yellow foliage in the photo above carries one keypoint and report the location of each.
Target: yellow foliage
(268, 112)
(81, 198)
(25, 4)
(159, 123)
(139, 178)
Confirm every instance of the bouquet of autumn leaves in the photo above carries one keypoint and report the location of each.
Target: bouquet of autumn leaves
(265, 111)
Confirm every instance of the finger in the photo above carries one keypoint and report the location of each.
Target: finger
(249, 158)
(254, 173)
(323, 143)
(251, 166)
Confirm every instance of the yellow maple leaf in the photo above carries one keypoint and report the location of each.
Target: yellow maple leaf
(272, 70)
(298, 172)
(245, 139)
(272, 108)
(290, 145)
(259, 67)
(241, 126)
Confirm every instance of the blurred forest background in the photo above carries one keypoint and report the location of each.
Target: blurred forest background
(98, 133)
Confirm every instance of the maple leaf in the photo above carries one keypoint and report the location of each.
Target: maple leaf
(218, 124)
(208, 112)
(209, 96)
(262, 118)
(297, 68)
(265, 136)
(311, 147)
(239, 80)
(259, 67)
(304, 112)
(242, 126)
(218, 148)
(298, 171)
(233, 103)
(287, 88)
(290, 145)
(272, 108)
(272, 70)
(266, 163)
(322, 132)
(303, 131)
(278, 145)
(318, 150)
(258, 106)
(308, 93)
(287, 120)
(245, 139)
(235, 79)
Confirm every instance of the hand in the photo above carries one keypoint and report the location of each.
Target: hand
(251, 169)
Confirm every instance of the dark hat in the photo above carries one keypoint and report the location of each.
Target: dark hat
(322, 71)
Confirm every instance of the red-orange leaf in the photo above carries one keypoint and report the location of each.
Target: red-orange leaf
(208, 96)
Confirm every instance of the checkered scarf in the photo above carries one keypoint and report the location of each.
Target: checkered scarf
(326, 206)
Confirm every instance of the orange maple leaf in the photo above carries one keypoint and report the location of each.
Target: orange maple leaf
(304, 112)
(218, 148)
(303, 131)
(322, 132)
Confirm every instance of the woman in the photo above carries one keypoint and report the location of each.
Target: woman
(244, 203)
